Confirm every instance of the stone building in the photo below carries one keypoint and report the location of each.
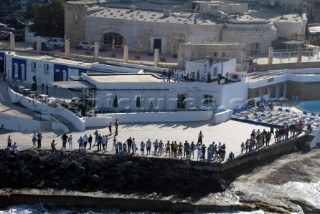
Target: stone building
(166, 29)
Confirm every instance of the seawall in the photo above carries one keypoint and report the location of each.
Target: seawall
(91, 176)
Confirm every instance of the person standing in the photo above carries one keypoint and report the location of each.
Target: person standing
(15, 150)
(9, 142)
(90, 140)
(116, 125)
(242, 147)
(155, 146)
(169, 75)
(70, 142)
(134, 146)
(160, 148)
(104, 139)
(148, 146)
(199, 153)
(53, 146)
(39, 138)
(142, 145)
(85, 141)
(99, 142)
(110, 128)
(167, 149)
(200, 137)
(64, 138)
(116, 146)
(192, 148)
(96, 135)
(114, 143)
(80, 142)
(203, 151)
(34, 140)
(129, 142)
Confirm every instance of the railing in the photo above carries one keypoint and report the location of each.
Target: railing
(292, 56)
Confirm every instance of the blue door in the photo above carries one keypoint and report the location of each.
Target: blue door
(16, 68)
(58, 72)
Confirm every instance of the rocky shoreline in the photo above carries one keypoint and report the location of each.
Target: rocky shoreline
(139, 183)
(90, 172)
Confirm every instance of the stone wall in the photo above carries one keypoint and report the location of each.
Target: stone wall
(191, 51)
(304, 90)
(283, 66)
(232, 168)
(249, 33)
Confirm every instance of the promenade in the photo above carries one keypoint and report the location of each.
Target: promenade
(232, 133)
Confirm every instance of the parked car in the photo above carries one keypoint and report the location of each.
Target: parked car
(4, 35)
(84, 45)
(44, 46)
(55, 42)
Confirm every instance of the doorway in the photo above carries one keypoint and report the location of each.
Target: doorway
(181, 101)
(157, 44)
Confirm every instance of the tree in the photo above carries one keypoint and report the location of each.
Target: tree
(49, 19)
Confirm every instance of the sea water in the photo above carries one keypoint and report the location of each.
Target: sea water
(50, 209)
(310, 192)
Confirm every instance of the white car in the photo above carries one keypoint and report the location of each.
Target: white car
(84, 45)
(55, 42)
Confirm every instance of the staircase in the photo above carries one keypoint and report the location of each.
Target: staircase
(67, 123)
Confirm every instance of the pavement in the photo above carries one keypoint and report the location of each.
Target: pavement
(232, 133)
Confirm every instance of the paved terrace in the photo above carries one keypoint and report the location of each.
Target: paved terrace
(232, 133)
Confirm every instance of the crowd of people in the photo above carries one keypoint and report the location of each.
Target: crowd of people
(262, 138)
(171, 149)
(183, 76)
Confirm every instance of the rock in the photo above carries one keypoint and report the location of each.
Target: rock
(52, 163)
(25, 177)
(36, 169)
(29, 154)
(61, 170)
(36, 160)
(95, 178)
(145, 162)
(51, 184)
(13, 165)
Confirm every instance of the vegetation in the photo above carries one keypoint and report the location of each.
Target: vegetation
(49, 19)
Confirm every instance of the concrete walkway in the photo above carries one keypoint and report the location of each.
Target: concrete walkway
(232, 133)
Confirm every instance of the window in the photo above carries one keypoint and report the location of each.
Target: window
(46, 67)
(207, 99)
(33, 65)
(108, 39)
(215, 71)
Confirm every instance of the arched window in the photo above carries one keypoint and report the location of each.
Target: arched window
(223, 54)
(108, 38)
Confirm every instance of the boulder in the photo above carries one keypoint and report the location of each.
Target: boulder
(95, 178)
(52, 163)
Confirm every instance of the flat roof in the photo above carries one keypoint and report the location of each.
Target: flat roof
(53, 59)
(71, 84)
(214, 60)
(121, 78)
(153, 16)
